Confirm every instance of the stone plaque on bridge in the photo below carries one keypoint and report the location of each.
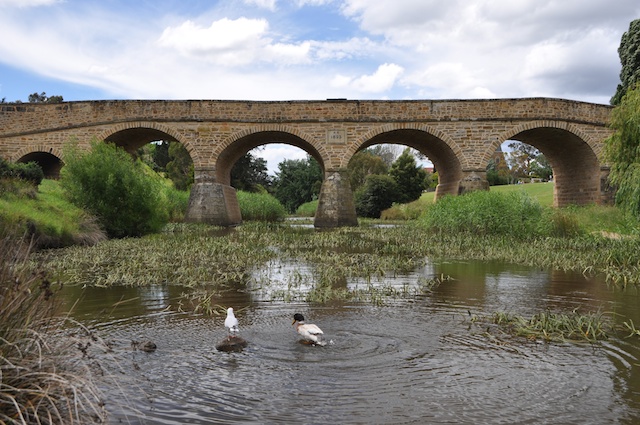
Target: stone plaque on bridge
(337, 137)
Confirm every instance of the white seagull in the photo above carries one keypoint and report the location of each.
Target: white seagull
(310, 332)
(231, 322)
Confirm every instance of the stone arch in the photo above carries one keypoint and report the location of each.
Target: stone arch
(572, 155)
(442, 151)
(132, 135)
(49, 158)
(243, 141)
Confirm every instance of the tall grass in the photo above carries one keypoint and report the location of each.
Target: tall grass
(485, 213)
(41, 379)
(260, 207)
(308, 209)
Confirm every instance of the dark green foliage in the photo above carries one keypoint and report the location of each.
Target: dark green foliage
(180, 166)
(541, 168)
(160, 154)
(378, 193)
(260, 207)
(622, 150)
(485, 213)
(409, 177)
(495, 178)
(363, 164)
(30, 172)
(629, 52)
(127, 197)
(297, 182)
(250, 173)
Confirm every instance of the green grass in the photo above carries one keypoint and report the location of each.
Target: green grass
(541, 192)
(48, 216)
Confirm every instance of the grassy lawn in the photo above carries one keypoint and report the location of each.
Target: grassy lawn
(542, 192)
(48, 211)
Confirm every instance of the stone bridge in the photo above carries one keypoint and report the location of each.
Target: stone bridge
(458, 136)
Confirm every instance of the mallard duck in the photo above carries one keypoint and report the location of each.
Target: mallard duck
(310, 332)
(231, 323)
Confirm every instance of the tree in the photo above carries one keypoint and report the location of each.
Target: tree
(497, 173)
(297, 181)
(180, 166)
(527, 161)
(378, 193)
(250, 174)
(541, 168)
(126, 196)
(409, 177)
(160, 154)
(622, 152)
(629, 52)
(43, 98)
(387, 152)
(363, 164)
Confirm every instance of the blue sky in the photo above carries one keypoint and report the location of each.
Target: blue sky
(312, 49)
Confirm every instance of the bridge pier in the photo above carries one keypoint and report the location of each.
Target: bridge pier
(473, 180)
(335, 204)
(211, 202)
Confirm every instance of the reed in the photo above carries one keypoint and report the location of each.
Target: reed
(260, 207)
(42, 377)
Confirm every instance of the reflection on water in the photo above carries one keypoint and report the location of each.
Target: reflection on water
(417, 360)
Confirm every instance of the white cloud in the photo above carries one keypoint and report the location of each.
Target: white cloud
(241, 50)
(263, 4)
(226, 41)
(382, 80)
(275, 153)
(26, 3)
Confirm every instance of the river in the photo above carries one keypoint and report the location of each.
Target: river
(408, 360)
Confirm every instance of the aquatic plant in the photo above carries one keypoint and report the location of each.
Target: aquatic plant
(550, 326)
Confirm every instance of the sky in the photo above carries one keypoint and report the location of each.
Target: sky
(312, 49)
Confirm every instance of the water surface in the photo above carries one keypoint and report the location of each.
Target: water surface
(410, 360)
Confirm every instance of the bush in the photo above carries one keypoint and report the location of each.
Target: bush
(260, 207)
(308, 209)
(128, 198)
(378, 193)
(485, 213)
(30, 172)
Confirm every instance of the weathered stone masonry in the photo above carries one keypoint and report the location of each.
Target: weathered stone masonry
(458, 136)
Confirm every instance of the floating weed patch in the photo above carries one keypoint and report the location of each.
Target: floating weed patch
(549, 326)
(323, 262)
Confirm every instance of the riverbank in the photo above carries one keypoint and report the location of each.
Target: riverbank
(606, 244)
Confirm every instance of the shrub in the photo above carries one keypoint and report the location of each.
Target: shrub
(308, 209)
(260, 207)
(128, 198)
(378, 193)
(30, 171)
(485, 213)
